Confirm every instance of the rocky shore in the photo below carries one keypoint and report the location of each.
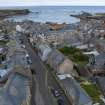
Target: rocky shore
(88, 16)
(6, 13)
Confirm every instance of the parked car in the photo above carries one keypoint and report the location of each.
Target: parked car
(29, 61)
(60, 101)
(20, 41)
(55, 92)
(33, 71)
(23, 46)
(27, 56)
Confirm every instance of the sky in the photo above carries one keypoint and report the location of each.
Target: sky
(50, 2)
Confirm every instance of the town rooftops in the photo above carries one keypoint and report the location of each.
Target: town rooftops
(17, 89)
(3, 50)
(19, 28)
(43, 50)
(61, 77)
(56, 26)
(100, 61)
(56, 57)
(78, 95)
(94, 52)
(100, 45)
(96, 17)
(3, 72)
(101, 83)
(43, 46)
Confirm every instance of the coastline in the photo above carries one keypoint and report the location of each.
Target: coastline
(54, 14)
(15, 12)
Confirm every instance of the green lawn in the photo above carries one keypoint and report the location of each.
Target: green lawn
(3, 42)
(11, 43)
(75, 55)
(100, 14)
(92, 91)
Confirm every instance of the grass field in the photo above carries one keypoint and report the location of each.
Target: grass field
(92, 91)
(75, 55)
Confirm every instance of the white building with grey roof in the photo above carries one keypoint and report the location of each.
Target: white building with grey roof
(43, 51)
(60, 63)
(57, 61)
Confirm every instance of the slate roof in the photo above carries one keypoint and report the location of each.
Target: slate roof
(56, 57)
(73, 89)
(101, 83)
(15, 91)
(100, 61)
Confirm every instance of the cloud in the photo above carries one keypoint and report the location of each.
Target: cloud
(51, 2)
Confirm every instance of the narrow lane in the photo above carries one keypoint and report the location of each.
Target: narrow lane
(42, 79)
(33, 87)
(40, 73)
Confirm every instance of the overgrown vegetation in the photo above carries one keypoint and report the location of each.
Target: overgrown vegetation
(3, 42)
(92, 91)
(75, 55)
(14, 11)
(100, 14)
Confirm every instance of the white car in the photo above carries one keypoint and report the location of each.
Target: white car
(27, 55)
(23, 46)
(29, 61)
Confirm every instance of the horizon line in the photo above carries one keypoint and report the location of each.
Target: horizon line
(13, 4)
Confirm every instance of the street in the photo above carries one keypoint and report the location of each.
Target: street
(40, 76)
